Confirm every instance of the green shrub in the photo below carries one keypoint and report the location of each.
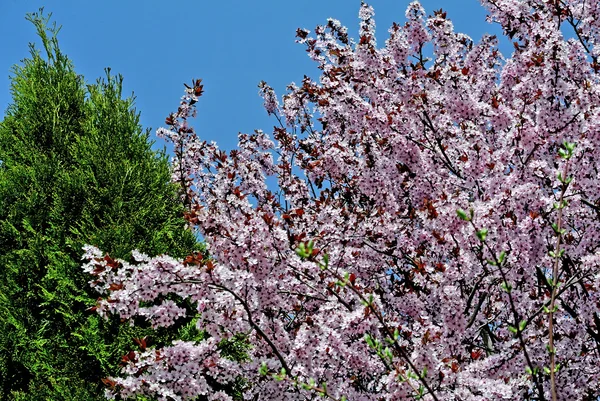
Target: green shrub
(75, 168)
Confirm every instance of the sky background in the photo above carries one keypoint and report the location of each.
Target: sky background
(231, 44)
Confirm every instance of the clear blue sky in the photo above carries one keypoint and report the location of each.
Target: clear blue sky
(231, 44)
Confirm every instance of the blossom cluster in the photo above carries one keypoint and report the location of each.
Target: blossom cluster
(433, 233)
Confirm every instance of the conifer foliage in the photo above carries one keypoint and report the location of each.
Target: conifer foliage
(75, 168)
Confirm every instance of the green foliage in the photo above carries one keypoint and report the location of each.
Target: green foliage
(236, 348)
(75, 168)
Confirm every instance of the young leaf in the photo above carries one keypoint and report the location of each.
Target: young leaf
(263, 369)
(506, 287)
(482, 234)
(462, 215)
(522, 325)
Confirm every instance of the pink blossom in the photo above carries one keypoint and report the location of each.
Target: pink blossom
(420, 231)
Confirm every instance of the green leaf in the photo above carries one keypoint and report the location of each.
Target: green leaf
(411, 375)
(501, 257)
(522, 325)
(506, 287)
(301, 251)
(482, 234)
(263, 369)
(388, 354)
(513, 329)
(564, 154)
(462, 215)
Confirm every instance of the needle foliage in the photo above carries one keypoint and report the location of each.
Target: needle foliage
(76, 168)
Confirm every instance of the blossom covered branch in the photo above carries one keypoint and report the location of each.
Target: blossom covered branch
(433, 234)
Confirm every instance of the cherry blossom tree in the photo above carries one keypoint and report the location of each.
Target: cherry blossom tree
(433, 233)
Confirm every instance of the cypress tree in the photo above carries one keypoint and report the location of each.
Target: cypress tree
(75, 168)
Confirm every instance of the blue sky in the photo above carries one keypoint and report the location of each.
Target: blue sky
(230, 44)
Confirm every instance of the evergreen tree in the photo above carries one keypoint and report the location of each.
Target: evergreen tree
(75, 168)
